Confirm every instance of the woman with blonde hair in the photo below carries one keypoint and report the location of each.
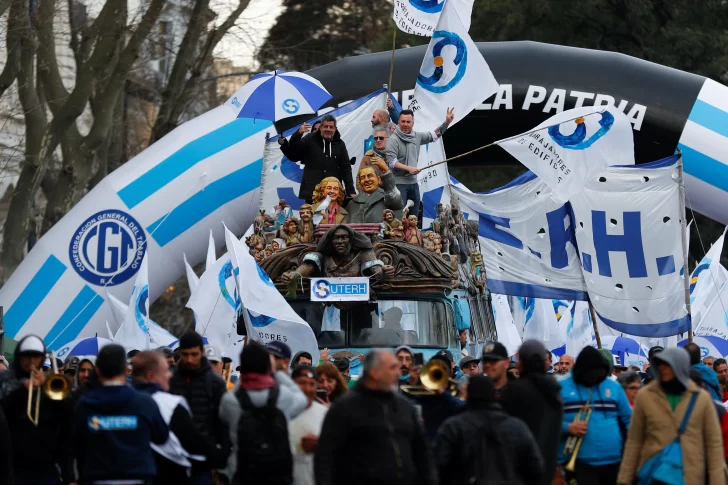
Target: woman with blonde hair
(331, 381)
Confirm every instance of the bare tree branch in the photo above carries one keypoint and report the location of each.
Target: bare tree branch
(12, 64)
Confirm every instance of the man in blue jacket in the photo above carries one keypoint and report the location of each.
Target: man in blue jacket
(710, 378)
(601, 449)
(114, 426)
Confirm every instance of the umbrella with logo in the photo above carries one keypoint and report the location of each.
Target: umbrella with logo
(624, 347)
(277, 95)
(174, 345)
(83, 346)
(709, 345)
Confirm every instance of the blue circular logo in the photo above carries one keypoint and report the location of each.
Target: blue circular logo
(291, 106)
(578, 140)
(459, 64)
(321, 287)
(140, 308)
(107, 248)
(428, 6)
(264, 276)
(260, 321)
(226, 272)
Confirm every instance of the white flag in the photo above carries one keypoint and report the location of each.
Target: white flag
(420, 17)
(572, 146)
(267, 314)
(159, 335)
(134, 331)
(577, 327)
(216, 303)
(192, 279)
(437, 176)
(211, 254)
(454, 74)
(707, 278)
(504, 325)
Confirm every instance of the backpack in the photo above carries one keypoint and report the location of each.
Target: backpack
(491, 463)
(666, 467)
(264, 453)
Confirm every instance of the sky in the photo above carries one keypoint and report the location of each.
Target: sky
(240, 45)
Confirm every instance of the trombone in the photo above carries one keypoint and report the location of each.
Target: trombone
(57, 388)
(435, 376)
(573, 443)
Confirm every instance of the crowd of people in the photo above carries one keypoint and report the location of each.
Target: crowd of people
(163, 417)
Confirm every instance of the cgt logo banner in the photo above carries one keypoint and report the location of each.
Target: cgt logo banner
(454, 73)
(340, 289)
(420, 17)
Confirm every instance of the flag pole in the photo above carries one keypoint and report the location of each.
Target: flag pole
(684, 237)
(594, 324)
(391, 63)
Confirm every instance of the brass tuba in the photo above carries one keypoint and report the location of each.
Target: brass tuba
(435, 377)
(573, 443)
(57, 387)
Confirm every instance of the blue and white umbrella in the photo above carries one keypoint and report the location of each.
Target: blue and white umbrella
(84, 346)
(715, 346)
(277, 95)
(627, 349)
(174, 345)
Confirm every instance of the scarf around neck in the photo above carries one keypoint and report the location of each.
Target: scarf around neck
(251, 381)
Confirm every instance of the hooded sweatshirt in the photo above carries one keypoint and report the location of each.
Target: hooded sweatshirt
(602, 444)
(405, 149)
(38, 448)
(710, 379)
(114, 426)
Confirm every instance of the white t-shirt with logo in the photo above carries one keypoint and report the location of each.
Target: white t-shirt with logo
(309, 421)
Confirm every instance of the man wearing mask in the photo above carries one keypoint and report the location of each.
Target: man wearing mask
(114, 426)
(195, 380)
(350, 449)
(403, 151)
(601, 448)
(535, 398)
(150, 375)
(658, 413)
(323, 154)
(41, 449)
(304, 430)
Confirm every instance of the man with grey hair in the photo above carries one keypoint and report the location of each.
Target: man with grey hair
(322, 154)
(362, 427)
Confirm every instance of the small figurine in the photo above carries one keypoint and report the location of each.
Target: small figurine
(259, 255)
(278, 244)
(438, 243)
(268, 224)
(268, 251)
(258, 222)
(252, 241)
(412, 235)
(477, 271)
(335, 213)
(428, 241)
(392, 227)
(291, 231)
(282, 213)
(306, 226)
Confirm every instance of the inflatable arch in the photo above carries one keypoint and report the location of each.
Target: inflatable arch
(168, 199)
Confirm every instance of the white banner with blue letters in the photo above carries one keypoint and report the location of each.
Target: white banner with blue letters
(628, 230)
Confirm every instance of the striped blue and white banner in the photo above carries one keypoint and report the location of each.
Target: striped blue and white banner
(164, 202)
(704, 145)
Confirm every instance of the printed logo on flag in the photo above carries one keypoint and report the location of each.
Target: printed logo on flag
(259, 321)
(264, 276)
(291, 106)
(340, 289)
(704, 352)
(140, 309)
(109, 244)
(577, 140)
(226, 272)
(450, 75)
(428, 6)
(112, 423)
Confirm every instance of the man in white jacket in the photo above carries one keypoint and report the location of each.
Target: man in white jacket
(291, 401)
(304, 430)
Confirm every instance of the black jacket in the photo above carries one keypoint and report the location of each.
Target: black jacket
(113, 428)
(436, 410)
(6, 451)
(373, 437)
(38, 448)
(455, 444)
(203, 390)
(183, 427)
(536, 400)
(320, 159)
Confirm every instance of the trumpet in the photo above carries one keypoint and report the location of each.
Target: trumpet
(56, 388)
(573, 443)
(435, 377)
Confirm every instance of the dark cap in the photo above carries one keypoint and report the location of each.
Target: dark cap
(303, 370)
(279, 349)
(342, 363)
(495, 351)
(444, 354)
(467, 360)
(653, 351)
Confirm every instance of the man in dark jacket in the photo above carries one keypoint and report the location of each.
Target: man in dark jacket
(535, 398)
(150, 375)
(6, 451)
(43, 448)
(203, 390)
(322, 154)
(456, 442)
(114, 426)
(372, 434)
